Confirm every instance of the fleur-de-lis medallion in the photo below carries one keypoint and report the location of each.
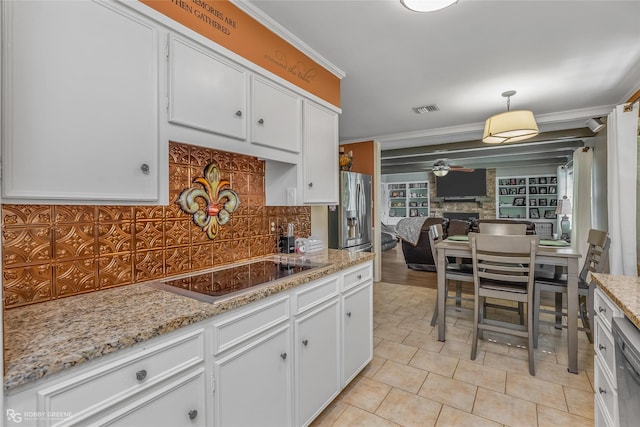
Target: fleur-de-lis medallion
(219, 201)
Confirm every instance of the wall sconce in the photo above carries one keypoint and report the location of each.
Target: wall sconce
(595, 125)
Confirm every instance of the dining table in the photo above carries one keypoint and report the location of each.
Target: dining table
(549, 252)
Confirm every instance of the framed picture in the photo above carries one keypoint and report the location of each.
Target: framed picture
(542, 190)
(542, 180)
(553, 180)
(550, 214)
(533, 202)
(542, 202)
(522, 181)
(533, 190)
(534, 213)
(532, 181)
(503, 191)
(553, 202)
(513, 181)
(518, 201)
(522, 190)
(512, 191)
(552, 189)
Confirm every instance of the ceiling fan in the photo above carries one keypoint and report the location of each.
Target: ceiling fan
(442, 167)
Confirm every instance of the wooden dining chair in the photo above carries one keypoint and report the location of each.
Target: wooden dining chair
(503, 268)
(456, 272)
(595, 261)
(504, 229)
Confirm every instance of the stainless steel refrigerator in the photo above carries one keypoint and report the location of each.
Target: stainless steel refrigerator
(350, 221)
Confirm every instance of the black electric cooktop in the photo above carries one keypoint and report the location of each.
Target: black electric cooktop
(214, 285)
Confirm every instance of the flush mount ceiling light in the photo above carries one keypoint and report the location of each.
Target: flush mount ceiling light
(427, 5)
(441, 168)
(511, 126)
(595, 125)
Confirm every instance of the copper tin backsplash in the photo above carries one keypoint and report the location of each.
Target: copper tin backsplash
(54, 251)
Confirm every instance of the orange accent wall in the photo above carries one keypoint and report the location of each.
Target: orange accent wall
(362, 162)
(229, 26)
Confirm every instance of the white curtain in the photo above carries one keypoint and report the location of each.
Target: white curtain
(621, 188)
(582, 200)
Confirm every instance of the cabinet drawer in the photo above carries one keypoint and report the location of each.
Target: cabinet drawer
(606, 392)
(247, 323)
(179, 403)
(601, 415)
(316, 293)
(605, 309)
(117, 380)
(605, 349)
(356, 276)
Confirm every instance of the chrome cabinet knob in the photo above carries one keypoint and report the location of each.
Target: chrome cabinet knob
(602, 391)
(602, 310)
(193, 414)
(145, 168)
(348, 314)
(305, 342)
(359, 276)
(283, 355)
(310, 184)
(601, 347)
(141, 374)
(261, 121)
(239, 113)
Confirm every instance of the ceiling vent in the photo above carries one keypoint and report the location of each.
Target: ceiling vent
(426, 109)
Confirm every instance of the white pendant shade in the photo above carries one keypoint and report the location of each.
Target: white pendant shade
(510, 126)
(427, 5)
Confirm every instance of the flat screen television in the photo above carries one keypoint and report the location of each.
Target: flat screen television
(462, 184)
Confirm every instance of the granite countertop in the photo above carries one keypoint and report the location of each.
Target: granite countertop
(624, 291)
(42, 339)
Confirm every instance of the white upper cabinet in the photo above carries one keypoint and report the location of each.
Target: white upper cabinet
(80, 104)
(206, 92)
(276, 119)
(320, 155)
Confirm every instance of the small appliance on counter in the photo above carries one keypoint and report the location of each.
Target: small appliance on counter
(287, 244)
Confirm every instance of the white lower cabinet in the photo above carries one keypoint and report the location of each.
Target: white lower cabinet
(252, 385)
(317, 344)
(357, 335)
(606, 389)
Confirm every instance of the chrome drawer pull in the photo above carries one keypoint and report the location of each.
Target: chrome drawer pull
(602, 310)
(305, 342)
(601, 347)
(193, 414)
(141, 375)
(348, 314)
(239, 114)
(602, 391)
(283, 355)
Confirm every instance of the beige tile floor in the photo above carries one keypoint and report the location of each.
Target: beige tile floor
(415, 380)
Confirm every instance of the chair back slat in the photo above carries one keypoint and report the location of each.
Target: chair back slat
(503, 229)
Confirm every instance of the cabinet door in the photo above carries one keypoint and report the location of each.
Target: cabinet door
(180, 403)
(206, 92)
(320, 155)
(317, 341)
(253, 384)
(276, 119)
(80, 103)
(357, 338)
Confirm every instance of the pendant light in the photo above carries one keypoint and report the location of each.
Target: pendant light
(511, 126)
(427, 5)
